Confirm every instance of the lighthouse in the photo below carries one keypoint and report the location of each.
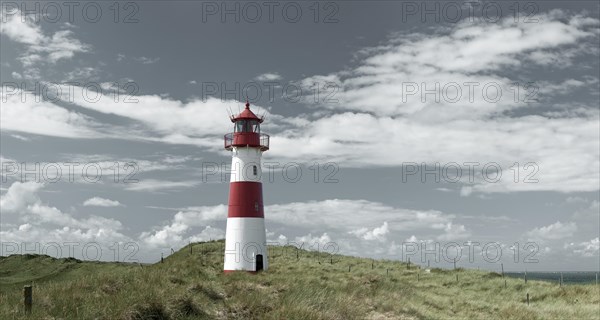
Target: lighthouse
(245, 238)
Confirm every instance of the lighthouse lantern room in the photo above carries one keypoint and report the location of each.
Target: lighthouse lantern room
(245, 240)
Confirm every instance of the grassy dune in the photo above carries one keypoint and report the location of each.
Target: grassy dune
(193, 287)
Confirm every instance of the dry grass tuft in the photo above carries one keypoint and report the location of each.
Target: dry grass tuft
(152, 310)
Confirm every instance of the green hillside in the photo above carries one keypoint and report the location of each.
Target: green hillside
(193, 286)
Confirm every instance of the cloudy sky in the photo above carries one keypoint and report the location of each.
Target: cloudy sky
(441, 124)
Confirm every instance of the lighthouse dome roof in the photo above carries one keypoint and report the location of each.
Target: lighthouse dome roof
(246, 114)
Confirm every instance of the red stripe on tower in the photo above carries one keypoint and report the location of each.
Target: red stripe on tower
(245, 200)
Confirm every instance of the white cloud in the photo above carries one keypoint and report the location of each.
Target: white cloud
(128, 171)
(280, 240)
(22, 199)
(317, 215)
(565, 150)
(209, 233)
(375, 115)
(168, 235)
(153, 185)
(19, 196)
(454, 232)
(554, 231)
(161, 119)
(22, 28)
(20, 137)
(84, 74)
(412, 239)
(45, 224)
(40, 47)
(565, 87)
(309, 241)
(354, 225)
(269, 76)
(466, 191)
(22, 112)
(129, 165)
(146, 60)
(467, 52)
(585, 248)
(378, 233)
(175, 159)
(164, 119)
(173, 234)
(318, 222)
(101, 202)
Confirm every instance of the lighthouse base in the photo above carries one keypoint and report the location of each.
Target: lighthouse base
(245, 245)
(233, 271)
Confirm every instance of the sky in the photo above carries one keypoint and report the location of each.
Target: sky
(423, 130)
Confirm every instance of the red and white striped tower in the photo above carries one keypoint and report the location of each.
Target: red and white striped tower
(245, 239)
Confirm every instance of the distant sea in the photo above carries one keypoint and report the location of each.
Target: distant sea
(569, 277)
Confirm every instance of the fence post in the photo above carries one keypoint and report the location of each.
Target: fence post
(387, 272)
(27, 298)
(318, 255)
(561, 279)
(525, 276)
(502, 266)
(596, 278)
(161, 258)
(527, 298)
(427, 263)
(504, 283)
(417, 277)
(408, 264)
(373, 266)
(349, 268)
(454, 263)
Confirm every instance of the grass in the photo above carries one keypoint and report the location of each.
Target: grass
(194, 287)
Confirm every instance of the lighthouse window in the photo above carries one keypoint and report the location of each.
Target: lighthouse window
(240, 126)
(247, 126)
(254, 126)
(255, 170)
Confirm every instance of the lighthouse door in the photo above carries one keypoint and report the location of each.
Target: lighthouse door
(259, 262)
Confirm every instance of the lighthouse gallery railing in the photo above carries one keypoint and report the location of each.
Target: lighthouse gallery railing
(263, 141)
